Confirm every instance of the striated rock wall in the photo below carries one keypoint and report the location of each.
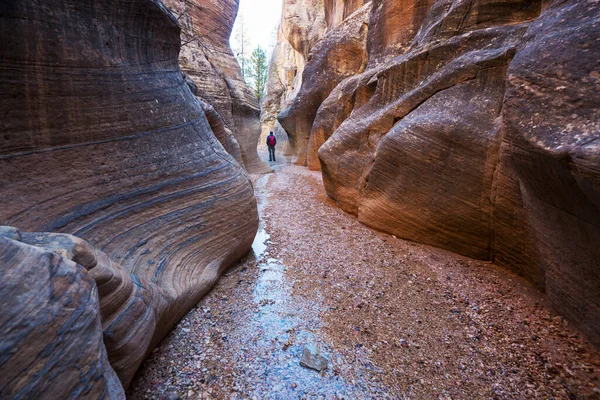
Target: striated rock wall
(102, 138)
(49, 327)
(551, 147)
(283, 83)
(340, 54)
(473, 127)
(208, 61)
(303, 24)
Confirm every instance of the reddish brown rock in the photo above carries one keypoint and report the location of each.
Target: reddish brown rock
(551, 126)
(351, 93)
(303, 24)
(340, 54)
(102, 138)
(209, 62)
(336, 11)
(395, 24)
(50, 330)
(222, 132)
(284, 81)
(473, 128)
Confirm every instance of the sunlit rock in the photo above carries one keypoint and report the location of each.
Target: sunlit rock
(472, 128)
(341, 53)
(209, 62)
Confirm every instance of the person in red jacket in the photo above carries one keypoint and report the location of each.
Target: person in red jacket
(271, 142)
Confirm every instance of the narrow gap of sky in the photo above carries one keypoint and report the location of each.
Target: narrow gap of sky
(261, 20)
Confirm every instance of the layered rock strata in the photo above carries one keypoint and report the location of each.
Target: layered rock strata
(50, 328)
(303, 24)
(208, 61)
(340, 54)
(473, 127)
(103, 139)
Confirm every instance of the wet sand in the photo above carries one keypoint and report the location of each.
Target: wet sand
(395, 319)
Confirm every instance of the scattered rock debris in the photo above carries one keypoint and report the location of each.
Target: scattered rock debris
(325, 278)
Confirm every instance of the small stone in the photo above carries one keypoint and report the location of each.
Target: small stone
(313, 360)
(173, 396)
(293, 385)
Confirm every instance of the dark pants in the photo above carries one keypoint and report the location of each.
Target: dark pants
(271, 153)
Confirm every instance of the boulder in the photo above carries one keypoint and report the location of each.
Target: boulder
(51, 335)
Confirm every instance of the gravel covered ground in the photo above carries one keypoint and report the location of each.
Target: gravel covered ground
(395, 319)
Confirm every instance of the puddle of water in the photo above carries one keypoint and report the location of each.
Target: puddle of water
(279, 329)
(260, 243)
(252, 340)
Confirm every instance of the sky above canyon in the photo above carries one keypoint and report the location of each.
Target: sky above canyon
(261, 19)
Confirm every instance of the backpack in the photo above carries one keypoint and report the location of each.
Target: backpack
(271, 141)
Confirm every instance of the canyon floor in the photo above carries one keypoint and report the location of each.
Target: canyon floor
(395, 319)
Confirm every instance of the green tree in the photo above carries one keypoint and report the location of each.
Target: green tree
(258, 71)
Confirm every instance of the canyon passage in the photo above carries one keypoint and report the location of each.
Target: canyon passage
(430, 228)
(419, 322)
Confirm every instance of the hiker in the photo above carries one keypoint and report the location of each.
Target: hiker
(271, 142)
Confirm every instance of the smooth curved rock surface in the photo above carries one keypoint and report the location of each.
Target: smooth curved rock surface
(474, 128)
(102, 138)
(222, 132)
(551, 122)
(208, 61)
(303, 24)
(50, 328)
(340, 54)
(283, 82)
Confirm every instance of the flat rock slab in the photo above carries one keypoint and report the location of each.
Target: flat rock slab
(313, 360)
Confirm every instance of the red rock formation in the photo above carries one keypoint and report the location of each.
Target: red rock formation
(222, 132)
(284, 81)
(209, 62)
(102, 138)
(473, 128)
(50, 327)
(340, 54)
(551, 147)
(303, 24)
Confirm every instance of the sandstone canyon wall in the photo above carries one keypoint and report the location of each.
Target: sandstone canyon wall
(208, 62)
(471, 125)
(102, 138)
(303, 24)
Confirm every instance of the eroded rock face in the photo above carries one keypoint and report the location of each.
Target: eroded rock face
(304, 23)
(473, 127)
(283, 82)
(551, 126)
(340, 54)
(50, 327)
(208, 61)
(102, 138)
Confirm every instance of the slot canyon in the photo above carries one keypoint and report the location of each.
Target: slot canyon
(429, 230)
